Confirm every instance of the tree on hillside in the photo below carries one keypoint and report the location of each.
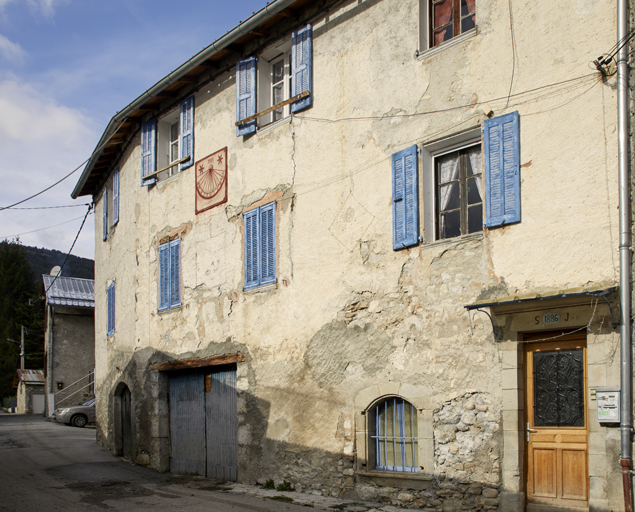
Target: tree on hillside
(17, 286)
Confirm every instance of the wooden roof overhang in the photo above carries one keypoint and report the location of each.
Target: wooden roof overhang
(188, 364)
(216, 58)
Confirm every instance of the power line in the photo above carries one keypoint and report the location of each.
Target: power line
(90, 207)
(511, 28)
(98, 148)
(53, 207)
(41, 229)
(449, 109)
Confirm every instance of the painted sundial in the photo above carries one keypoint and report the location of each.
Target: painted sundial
(211, 181)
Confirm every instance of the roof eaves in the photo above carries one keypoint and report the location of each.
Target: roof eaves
(223, 42)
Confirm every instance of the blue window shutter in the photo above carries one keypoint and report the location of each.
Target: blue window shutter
(302, 67)
(267, 216)
(164, 276)
(111, 308)
(175, 273)
(187, 131)
(115, 197)
(148, 151)
(405, 198)
(104, 205)
(251, 248)
(246, 95)
(501, 139)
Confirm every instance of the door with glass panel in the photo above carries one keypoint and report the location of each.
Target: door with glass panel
(556, 422)
(395, 436)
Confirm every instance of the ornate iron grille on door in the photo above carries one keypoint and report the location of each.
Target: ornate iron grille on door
(559, 388)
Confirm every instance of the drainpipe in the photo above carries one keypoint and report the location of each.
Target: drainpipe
(49, 369)
(626, 421)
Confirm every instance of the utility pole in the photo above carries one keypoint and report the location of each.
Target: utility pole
(22, 347)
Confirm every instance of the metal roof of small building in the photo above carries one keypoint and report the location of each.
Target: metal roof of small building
(29, 377)
(69, 291)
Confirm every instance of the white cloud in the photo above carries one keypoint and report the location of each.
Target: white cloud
(40, 142)
(11, 51)
(44, 7)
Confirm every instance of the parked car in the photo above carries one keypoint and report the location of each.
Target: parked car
(76, 415)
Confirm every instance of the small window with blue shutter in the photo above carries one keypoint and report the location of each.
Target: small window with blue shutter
(110, 295)
(260, 245)
(115, 197)
(148, 152)
(501, 139)
(169, 255)
(246, 95)
(302, 67)
(405, 198)
(104, 207)
(277, 83)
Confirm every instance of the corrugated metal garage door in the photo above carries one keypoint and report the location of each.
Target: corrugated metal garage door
(187, 423)
(203, 424)
(222, 443)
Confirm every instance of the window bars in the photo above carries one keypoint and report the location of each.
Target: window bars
(395, 436)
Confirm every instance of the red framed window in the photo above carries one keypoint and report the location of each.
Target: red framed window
(450, 18)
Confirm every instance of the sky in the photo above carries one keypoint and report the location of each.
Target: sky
(66, 68)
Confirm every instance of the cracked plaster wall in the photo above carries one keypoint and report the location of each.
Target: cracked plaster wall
(348, 312)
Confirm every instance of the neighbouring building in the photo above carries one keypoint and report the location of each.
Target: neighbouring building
(29, 386)
(369, 247)
(69, 340)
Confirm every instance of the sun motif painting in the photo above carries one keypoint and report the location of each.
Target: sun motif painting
(211, 181)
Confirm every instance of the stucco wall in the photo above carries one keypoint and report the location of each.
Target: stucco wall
(73, 353)
(348, 314)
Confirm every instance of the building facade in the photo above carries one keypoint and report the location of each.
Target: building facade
(29, 386)
(69, 340)
(369, 248)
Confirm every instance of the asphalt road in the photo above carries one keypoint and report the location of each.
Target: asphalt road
(48, 467)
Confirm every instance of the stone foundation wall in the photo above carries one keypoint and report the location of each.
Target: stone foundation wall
(465, 440)
(441, 495)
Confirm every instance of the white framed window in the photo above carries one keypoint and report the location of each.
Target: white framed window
(452, 180)
(279, 73)
(445, 22)
(274, 81)
(168, 135)
(167, 145)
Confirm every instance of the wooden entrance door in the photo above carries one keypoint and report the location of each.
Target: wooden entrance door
(556, 422)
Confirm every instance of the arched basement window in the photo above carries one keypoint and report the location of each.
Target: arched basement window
(395, 436)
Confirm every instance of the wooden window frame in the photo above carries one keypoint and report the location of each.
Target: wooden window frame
(456, 20)
(462, 180)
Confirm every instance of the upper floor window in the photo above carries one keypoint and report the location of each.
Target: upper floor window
(459, 192)
(170, 274)
(468, 182)
(260, 245)
(395, 436)
(167, 145)
(276, 83)
(110, 205)
(110, 295)
(450, 18)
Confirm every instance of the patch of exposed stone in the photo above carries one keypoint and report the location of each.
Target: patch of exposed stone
(440, 496)
(465, 445)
